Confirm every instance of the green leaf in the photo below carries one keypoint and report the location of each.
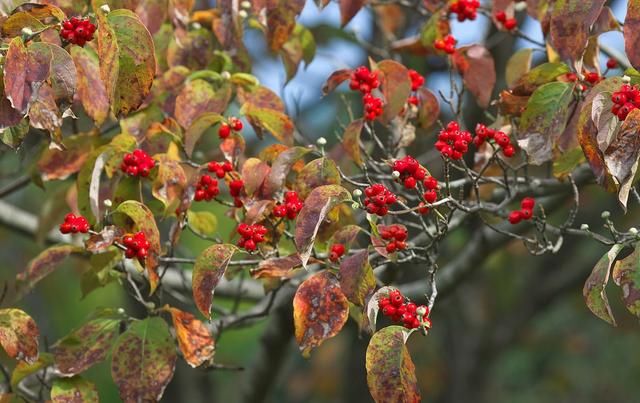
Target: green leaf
(127, 59)
(19, 335)
(203, 222)
(88, 344)
(101, 271)
(544, 120)
(390, 372)
(626, 274)
(143, 360)
(321, 171)
(76, 389)
(518, 65)
(542, 74)
(209, 268)
(24, 369)
(197, 128)
(594, 288)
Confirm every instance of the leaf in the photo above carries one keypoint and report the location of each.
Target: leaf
(320, 310)
(101, 271)
(631, 31)
(317, 206)
(209, 268)
(396, 87)
(195, 341)
(23, 75)
(19, 335)
(594, 288)
(169, 183)
(203, 222)
(373, 306)
(197, 128)
(254, 173)
(24, 369)
(348, 10)
(390, 372)
(198, 97)
(91, 89)
(539, 75)
(43, 265)
(281, 167)
(544, 120)
(88, 344)
(428, 109)
(277, 267)
(73, 390)
(321, 171)
(518, 65)
(478, 71)
(300, 46)
(625, 275)
(281, 21)
(606, 122)
(143, 221)
(570, 23)
(356, 277)
(335, 79)
(351, 141)
(143, 361)
(623, 154)
(269, 120)
(56, 164)
(102, 241)
(436, 27)
(127, 59)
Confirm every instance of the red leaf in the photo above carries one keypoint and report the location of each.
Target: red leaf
(478, 71)
(348, 10)
(571, 21)
(631, 31)
(335, 79)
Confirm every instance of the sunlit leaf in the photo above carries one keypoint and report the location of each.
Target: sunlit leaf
(73, 390)
(194, 339)
(19, 335)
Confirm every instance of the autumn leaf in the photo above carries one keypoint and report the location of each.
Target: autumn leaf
(73, 390)
(197, 129)
(23, 75)
(356, 277)
(625, 275)
(594, 288)
(428, 109)
(396, 87)
(390, 372)
(143, 361)
(317, 206)
(24, 369)
(19, 335)
(351, 140)
(195, 341)
(198, 97)
(320, 310)
(518, 65)
(278, 267)
(280, 168)
(319, 172)
(43, 265)
(623, 154)
(335, 79)
(209, 268)
(478, 71)
(570, 23)
(91, 89)
(271, 121)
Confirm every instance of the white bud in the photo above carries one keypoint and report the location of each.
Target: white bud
(633, 231)
(535, 183)
(243, 14)
(321, 141)
(584, 227)
(107, 203)
(355, 205)
(226, 75)
(626, 79)
(120, 311)
(395, 174)
(422, 310)
(196, 25)
(357, 193)
(245, 4)
(27, 31)
(605, 214)
(105, 8)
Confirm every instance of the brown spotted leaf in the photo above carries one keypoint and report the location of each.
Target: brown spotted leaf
(321, 171)
(23, 75)
(195, 341)
(142, 219)
(91, 89)
(198, 97)
(30, 15)
(351, 140)
(88, 344)
(570, 22)
(390, 372)
(594, 288)
(209, 268)
(56, 164)
(127, 59)
(317, 206)
(478, 71)
(625, 275)
(335, 79)
(271, 121)
(143, 361)
(43, 265)
(623, 154)
(278, 267)
(73, 390)
(19, 335)
(281, 167)
(356, 277)
(320, 310)
(396, 87)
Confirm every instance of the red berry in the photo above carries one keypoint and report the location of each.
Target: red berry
(515, 217)
(528, 203)
(612, 63)
(510, 24)
(526, 213)
(224, 131)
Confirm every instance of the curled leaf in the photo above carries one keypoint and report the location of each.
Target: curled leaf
(19, 335)
(594, 288)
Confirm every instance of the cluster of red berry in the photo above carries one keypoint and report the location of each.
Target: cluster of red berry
(484, 133)
(291, 206)
(77, 31)
(446, 45)
(137, 163)
(235, 188)
(466, 9)
(251, 236)
(399, 309)
(417, 81)
(206, 189)
(364, 80)
(372, 106)
(410, 171)
(396, 237)
(220, 169)
(592, 77)
(525, 213)
(453, 142)
(626, 99)
(612, 63)
(508, 23)
(136, 244)
(378, 199)
(73, 224)
(336, 252)
(225, 129)
(430, 195)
